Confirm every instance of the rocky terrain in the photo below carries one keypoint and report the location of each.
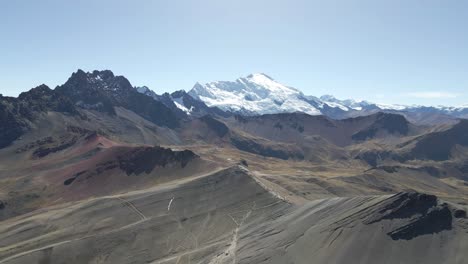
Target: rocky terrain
(98, 171)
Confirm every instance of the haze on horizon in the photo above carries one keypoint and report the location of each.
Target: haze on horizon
(399, 52)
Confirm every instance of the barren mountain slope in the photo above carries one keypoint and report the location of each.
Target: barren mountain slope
(227, 217)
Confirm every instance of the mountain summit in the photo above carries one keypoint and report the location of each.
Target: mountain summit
(259, 94)
(255, 94)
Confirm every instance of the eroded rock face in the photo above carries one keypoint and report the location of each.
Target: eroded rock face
(135, 161)
(419, 214)
(435, 221)
(55, 146)
(406, 205)
(48, 145)
(145, 159)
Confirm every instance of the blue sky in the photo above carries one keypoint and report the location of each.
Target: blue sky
(409, 52)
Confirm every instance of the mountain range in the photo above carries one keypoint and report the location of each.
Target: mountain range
(251, 171)
(259, 94)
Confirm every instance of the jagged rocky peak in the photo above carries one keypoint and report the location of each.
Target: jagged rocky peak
(143, 89)
(36, 92)
(103, 91)
(103, 75)
(41, 99)
(198, 91)
(147, 91)
(97, 80)
(179, 94)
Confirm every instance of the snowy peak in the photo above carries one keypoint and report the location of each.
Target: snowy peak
(262, 81)
(328, 98)
(345, 105)
(255, 94)
(259, 93)
(259, 76)
(147, 91)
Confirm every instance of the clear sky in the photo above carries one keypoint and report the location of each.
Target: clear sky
(392, 51)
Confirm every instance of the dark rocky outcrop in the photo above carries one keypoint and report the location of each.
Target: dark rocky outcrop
(56, 146)
(406, 205)
(135, 161)
(459, 213)
(434, 221)
(36, 144)
(418, 214)
(48, 145)
(72, 179)
(145, 159)
(244, 163)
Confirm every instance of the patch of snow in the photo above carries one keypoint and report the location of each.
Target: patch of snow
(337, 105)
(183, 108)
(392, 107)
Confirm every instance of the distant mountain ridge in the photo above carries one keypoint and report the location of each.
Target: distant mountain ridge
(259, 94)
(256, 94)
(182, 103)
(253, 95)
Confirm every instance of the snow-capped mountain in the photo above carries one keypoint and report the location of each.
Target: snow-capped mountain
(255, 94)
(345, 105)
(259, 94)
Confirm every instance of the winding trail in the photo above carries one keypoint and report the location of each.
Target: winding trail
(133, 207)
(230, 252)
